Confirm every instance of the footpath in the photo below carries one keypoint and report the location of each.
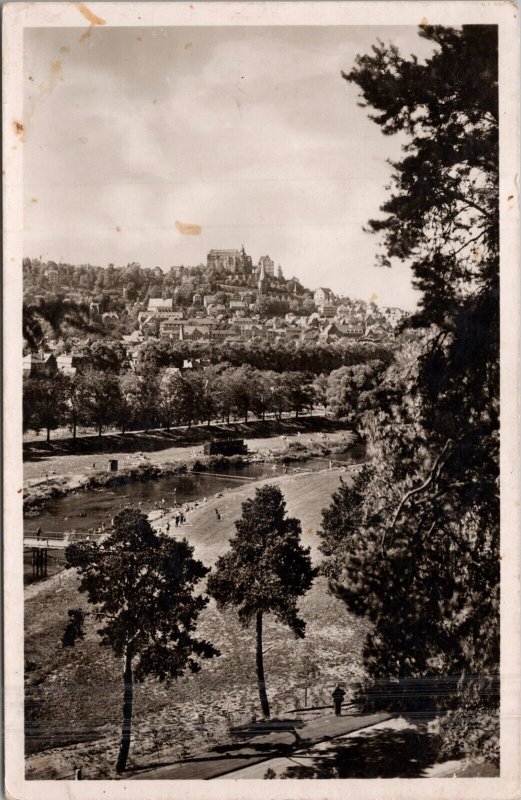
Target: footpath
(227, 758)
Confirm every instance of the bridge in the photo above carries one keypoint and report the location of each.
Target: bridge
(40, 546)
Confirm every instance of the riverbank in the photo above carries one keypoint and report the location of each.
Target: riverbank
(62, 475)
(74, 695)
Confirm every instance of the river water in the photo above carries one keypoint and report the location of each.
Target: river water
(87, 509)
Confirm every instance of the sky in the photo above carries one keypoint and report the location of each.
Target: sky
(249, 133)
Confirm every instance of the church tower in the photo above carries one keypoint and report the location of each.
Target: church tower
(262, 283)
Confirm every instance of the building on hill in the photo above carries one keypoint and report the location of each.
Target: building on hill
(40, 363)
(233, 261)
(171, 329)
(159, 305)
(132, 339)
(334, 331)
(268, 264)
(193, 333)
(327, 310)
(72, 363)
(322, 295)
(215, 309)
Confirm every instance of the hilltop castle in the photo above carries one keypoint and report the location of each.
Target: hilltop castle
(233, 261)
(237, 262)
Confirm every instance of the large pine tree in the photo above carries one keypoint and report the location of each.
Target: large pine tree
(265, 571)
(419, 552)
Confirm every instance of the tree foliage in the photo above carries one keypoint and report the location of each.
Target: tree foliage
(53, 316)
(142, 586)
(419, 552)
(265, 571)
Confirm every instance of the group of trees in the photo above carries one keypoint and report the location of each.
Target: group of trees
(142, 586)
(414, 544)
(133, 283)
(167, 397)
(133, 401)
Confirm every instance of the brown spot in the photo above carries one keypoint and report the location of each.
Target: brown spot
(118, 229)
(424, 23)
(64, 49)
(188, 45)
(89, 15)
(188, 229)
(56, 67)
(18, 128)
(18, 491)
(31, 78)
(373, 298)
(34, 199)
(139, 38)
(510, 197)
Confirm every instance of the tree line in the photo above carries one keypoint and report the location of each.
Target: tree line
(170, 397)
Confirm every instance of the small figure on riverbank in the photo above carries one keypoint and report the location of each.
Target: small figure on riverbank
(338, 698)
(38, 533)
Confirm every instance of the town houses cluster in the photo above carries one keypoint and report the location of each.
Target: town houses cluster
(230, 299)
(240, 309)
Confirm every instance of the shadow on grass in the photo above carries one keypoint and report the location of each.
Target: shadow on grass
(375, 754)
(242, 752)
(156, 440)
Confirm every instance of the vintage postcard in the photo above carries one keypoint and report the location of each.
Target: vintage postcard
(261, 400)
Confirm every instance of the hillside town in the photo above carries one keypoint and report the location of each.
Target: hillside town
(228, 301)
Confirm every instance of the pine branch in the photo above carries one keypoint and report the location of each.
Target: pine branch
(425, 485)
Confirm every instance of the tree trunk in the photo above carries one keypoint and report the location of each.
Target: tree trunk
(48, 434)
(126, 727)
(99, 430)
(263, 696)
(73, 430)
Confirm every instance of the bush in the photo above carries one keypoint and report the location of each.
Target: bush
(470, 731)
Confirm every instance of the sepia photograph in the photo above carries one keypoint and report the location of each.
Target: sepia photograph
(258, 522)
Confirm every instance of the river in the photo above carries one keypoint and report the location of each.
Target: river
(86, 510)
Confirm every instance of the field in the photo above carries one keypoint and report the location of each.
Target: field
(74, 697)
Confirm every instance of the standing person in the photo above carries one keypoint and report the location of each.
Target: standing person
(338, 698)
(38, 533)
